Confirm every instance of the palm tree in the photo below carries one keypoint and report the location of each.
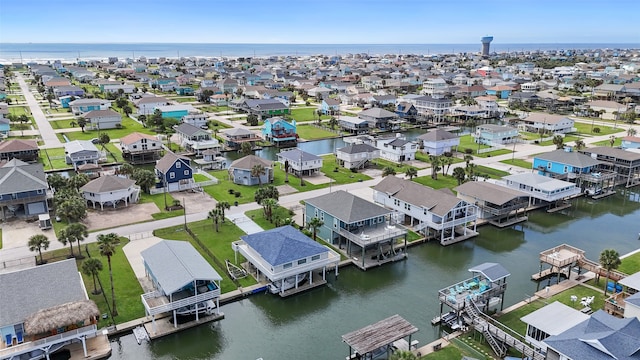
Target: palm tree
(108, 243)
(82, 122)
(411, 173)
(104, 140)
(126, 169)
(558, 141)
(609, 260)
(612, 140)
(257, 171)
(215, 215)
(580, 144)
(333, 122)
(435, 166)
(63, 237)
(632, 131)
(76, 232)
(459, 174)
(91, 267)
(246, 148)
(388, 170)
(314, 224)
(286, 171)
(38, 243)
(222, 206)
(468, 159)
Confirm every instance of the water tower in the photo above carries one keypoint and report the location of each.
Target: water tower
(486, 42)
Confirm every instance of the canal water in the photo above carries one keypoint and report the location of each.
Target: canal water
(310, 324)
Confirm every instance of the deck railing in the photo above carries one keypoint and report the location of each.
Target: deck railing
(176, 304)
(363, 239)
(88, 331)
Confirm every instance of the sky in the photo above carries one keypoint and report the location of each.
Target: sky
(319, 22)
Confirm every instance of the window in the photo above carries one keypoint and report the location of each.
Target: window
(566, 168)
(549, 165)
(172, 175)
(178, 164)
(186, 172)
(302, 261)
(315, 257)
(134, 146)
(40, 191)
(322, 215)
(287, 265)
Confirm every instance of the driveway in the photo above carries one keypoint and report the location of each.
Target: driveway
(110, 218)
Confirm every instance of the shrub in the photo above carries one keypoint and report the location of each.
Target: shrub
(354, 170)
(237, 194)
(468, 151)
(596, 130)
(231, 191)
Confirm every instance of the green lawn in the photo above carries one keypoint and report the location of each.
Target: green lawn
(159, 200)
(446, 181)
(567, 139)
(257, 216)
(306, 114)
(215, 124)
(53, 159)
(468, 142)
(518, 162)
(219, 243)
(63, 124)
(114, 154)
(210, 108)
(128, 126)
(20, 110)
(618, 142)
(400, 169)
(0, 238)
(630, 264)
(342, 175)
(308, 132)
(184, 99)
(512, 318)
(493, 173)
(585, 129)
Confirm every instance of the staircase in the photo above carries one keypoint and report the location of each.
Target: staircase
(481, 325)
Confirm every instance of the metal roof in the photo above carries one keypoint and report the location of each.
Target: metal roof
(489, 192)
(347, 207)
(283, 245)
(555, 318)
(492, 271)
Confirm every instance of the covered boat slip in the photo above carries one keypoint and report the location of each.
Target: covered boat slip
(488, 283)
(376, 246)
(380, 335)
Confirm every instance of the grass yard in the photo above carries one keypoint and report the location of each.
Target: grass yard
(159, 200)
(342, 175)
(63, 124)
(184, 99)
(630, 264)
(468, 142)
(567, 139)
(257, 216)
(585, 129)
(493, 173)
(306, 114)
(618, 142)
(446, 181)
(210, 108)
(518, 162)
(219, 243)
(20, 110)
(400, 169)
(215, 124)
(128, 126)
(309, 132)
(53, 159)
(114, 154)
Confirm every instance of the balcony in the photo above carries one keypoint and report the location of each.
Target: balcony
(615, 304)
(372, 235)
(156, 303)
(15, 351)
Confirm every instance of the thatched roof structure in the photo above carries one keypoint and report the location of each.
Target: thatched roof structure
(58, 316)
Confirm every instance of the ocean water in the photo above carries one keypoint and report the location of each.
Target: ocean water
(15, 52)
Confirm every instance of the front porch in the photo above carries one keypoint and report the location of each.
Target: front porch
(39, 345)
(615, 304)
(375, 245)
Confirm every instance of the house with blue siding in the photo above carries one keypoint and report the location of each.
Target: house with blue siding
(184, 91)
(279, 131)
(240, 171)
(81, 106)
(330, 106)
(175, 111)
(501, 91)
(490, 134)
(23, 190)
(630, 142)
(361, 229)
(174, 172)
(5, 126)
(560, 162)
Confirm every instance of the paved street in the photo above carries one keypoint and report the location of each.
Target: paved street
(46, 131)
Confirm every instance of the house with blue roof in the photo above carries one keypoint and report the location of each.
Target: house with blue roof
(284, 253)
(280, 132)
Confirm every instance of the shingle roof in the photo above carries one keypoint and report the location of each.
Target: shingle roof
(175, 264)
(572, 158)
(237, 132)
(437, 202)
(24, 291)
(18, 145)
(17, 176)
(538, 181)
(169, 158)
(107, 183)
(134, 137)
(437, 135)
(357, 148)
(613, 152)
(347, 207)
(489, 192)
(75, 146)
(545, 118)
(377, 113)
(283, 245)
(249, 161)
(188, 129)
(102, 113)
(294, 155)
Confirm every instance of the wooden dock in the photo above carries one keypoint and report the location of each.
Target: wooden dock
(558, 208)
(508, 222)
(165, 326)
(98, 347)
(603, 195)
(304, 287)
(549, 272)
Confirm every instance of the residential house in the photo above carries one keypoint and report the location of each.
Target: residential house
(435, 87)
(406, 111)
(630, 142)
(184, 91)
(609, 110)
(110, 190)
(300, 161)
(609, 91)
(195, 139)
(264, 108)
(573, 166)
(103, 119)
(551, 320)
(553, 124)
(319, 92)
(174, 172)
(280, 132)
(31, 323)
(436, 213)
(626, 303)
(625, 163)
(541, 189)
(80, 152)
(240, 171)
(362, 230)
(490, 134)
(501, 91)
(115, 88)
(81, 106)
(501, 206)
(235, 137)
(197, 119)
(330, 106)
(183, 282)
(70, 90)
(25, 150)
(284, 253)
(438, 141)
(138, 148)
(147, 104)
(396, 148)
(23, 189)
(379, 118)
(432, 108)
(353, 125)
(175, 111)
(355, 156)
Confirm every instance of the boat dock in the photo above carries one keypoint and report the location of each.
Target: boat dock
(98, 347)
(165, 327)
(603, 195)
(317, 281)
(549, 272)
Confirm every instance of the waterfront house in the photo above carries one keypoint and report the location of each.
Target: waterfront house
(435, 213)
(33, 324)
(110, 190)
(81, 106)
(623, 162)
(25, 150)
(625, 303)
(490, 134)
(233, 138)
(183, 282)
(356, 156)
(406, 111)
(432, 108)
(378, 118)
(610, 110)
(139, 148)
(264, 108)
(175, 111)
(553, 124)
(330, 106)
(500, 205)
(147, 104)
(103, 119)
(197, 119)
(23, 189)
(80, 152)
(280, 132)
(174, 172)
(573, 166)
(353, 125)
(439, 141)
(501, 91)
(362, 230)
(542, 189)
(551, 320)
(396, 148)
(630, 142)
(300, 161)
(284, 253)
(195, 139)
(240, 171)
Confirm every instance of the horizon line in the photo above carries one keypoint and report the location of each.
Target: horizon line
(293, 43)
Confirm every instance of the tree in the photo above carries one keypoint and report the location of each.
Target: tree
(76, 232)
(121, 102)
(558, 141)
(104, 139)
(252, 120)
(107, 244)
(468, 159)
(215, 215)
(286, 171)
(222, 206)
(596, 130)
(411, 173)
(579, 144)
(57, 181)
(267, 192)
(50, 98)
(388, 170)
(403, 355)
(91, 267)
(333, 122)
(435, 166)
(127, 110)
(77, 181)
(314, 224)
(143, 119)
(38, 243)
(64, 239)
(146, 179)
(471, 171)
(257, 171)
(459, 174)
(446, 160)
(609, 260)
(267, 206)
(73, 209)
(632, 131)
(82, 122)
(246, 148)
(126, 169)
(612, 140)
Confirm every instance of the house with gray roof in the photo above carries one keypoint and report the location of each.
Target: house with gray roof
(438, 141)
(103, 119)
(435, 213)
(587, 172)
(80, 152)
(70, 315)
(23, 190)
(174, 172)
(625, 303)
(362, 230)
(285, 253)
(501, 206)
(240, 171)
(233, 138)
(196, 139)
(300, 161)
(353, 125)
(110, 190)
(355, 156)
(396, 148)
(550, 320)
(602, 336)
(379, 118)
(625, 163)
(541, 188)
(25, 150)
(184, 282)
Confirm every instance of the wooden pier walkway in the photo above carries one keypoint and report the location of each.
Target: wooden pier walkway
(549, 272)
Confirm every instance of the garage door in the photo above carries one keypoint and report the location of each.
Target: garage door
(36, 208)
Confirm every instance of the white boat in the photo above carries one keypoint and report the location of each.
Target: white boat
(235, 272)
(289, 283)
(206, 307)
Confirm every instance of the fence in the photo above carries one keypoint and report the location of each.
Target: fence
(17, 263)
(142, 235)
(206, 250)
